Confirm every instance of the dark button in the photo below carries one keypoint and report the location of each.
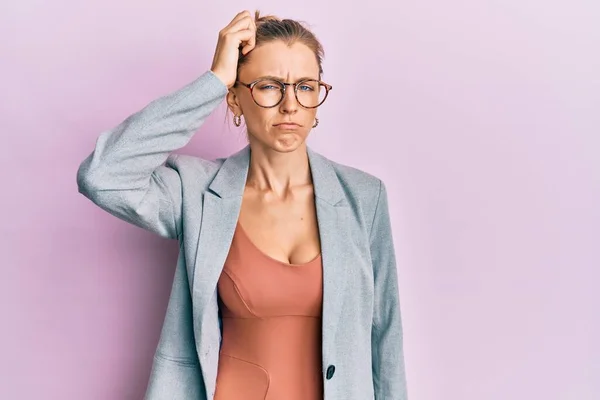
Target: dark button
(330, 371)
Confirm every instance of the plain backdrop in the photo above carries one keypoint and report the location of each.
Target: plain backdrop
(481, 116)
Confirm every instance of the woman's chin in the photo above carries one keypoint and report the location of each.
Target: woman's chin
(282, 141)
(288, 142)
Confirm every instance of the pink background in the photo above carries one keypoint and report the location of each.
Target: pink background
(482, 117)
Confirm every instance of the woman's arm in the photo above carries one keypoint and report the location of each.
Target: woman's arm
(389, 380)
(125, 174)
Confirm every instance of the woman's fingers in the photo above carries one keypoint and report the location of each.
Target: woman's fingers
(252, 41)
(235, 20)
(241, 24)
(243, 32)
(247, 39)
(239, 33)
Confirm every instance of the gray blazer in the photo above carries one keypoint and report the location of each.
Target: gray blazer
(134, 174)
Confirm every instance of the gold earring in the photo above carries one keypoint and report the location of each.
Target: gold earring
(237, 120)
(316, 122)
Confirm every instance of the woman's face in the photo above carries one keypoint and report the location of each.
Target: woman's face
(287, 64)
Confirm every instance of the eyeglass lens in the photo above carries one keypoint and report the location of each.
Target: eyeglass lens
(268, 93)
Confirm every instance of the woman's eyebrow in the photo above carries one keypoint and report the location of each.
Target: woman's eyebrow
(279, 78)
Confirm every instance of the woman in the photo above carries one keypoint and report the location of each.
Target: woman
(286, 285)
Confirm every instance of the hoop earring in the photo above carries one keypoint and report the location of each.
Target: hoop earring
(237, 120)
(316, 122)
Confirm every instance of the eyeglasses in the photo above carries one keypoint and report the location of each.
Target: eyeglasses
(268, 92)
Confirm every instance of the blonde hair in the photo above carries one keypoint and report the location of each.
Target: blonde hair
(270, 28)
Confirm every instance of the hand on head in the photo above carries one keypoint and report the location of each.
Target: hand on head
(239, 33)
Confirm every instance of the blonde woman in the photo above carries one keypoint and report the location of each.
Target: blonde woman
(286, 283)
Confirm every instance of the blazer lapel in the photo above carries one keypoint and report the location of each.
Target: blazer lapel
(333, 212)
(220, 211)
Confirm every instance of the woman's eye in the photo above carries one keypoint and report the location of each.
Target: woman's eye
(269, 87)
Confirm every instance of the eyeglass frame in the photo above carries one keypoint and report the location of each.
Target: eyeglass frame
(251, 85)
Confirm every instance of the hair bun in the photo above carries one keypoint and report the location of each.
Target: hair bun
(258, 19)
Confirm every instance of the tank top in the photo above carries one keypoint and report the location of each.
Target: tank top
(271, 313)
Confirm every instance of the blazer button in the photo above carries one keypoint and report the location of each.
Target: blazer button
(330, 371)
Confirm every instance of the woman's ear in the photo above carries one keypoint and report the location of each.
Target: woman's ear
(233, 102)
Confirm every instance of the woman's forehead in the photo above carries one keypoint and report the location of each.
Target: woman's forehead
(277, 59)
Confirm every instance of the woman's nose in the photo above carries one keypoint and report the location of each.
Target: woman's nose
(289, 102)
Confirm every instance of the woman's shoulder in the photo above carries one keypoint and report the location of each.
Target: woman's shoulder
(362, 189)
(356, 179)
(193, 169)
(199, 164)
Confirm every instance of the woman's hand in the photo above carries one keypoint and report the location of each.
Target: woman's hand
(241, 32)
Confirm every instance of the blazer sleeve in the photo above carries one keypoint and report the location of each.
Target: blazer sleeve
(389, 379)
(128, 173)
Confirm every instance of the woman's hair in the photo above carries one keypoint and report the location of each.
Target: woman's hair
(270, 28)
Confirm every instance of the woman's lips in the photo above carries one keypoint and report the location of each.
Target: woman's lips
(287, 125)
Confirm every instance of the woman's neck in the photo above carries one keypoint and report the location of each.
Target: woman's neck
(278, 172)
